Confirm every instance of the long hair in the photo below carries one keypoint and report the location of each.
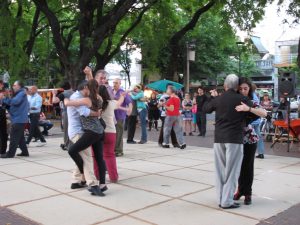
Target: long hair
(245, 80)
(103, 92)
(93, 87)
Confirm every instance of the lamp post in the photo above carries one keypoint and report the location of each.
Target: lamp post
(190, 56)
(239, 46)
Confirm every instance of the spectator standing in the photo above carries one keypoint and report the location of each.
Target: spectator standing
(120, 115)
(18, 109)
(153, 112)
(3, 124)
(66, 86)
(138, 95)
(35, 105)
(187, 105)
(173, 119)
(231, 114)
(131, 123)
(201, 114)
(194, 111)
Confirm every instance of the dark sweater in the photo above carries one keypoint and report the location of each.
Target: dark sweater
(201, 100)
(229, 122)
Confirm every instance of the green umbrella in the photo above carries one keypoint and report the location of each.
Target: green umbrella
(161, 85)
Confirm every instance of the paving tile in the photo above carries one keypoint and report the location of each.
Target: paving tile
(139, 155)
(27, 169)
(165, 185)
(147, 167)
(293, 169)
(176, 161)
(64, 210)
(197, 156)
(123, 199)
(5, 177)
(272, 177)
(125, 174)
(17, 191)
(61, 163)
(59, 181)
(172, 213)
(39, 156)
(200, 176)
(210, 166)
(125, 220)
(10, 161)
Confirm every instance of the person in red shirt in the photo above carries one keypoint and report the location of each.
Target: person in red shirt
(173, 119)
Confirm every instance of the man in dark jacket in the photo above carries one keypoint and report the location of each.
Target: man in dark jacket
(231, 111)
(3, 124)
(18, 108)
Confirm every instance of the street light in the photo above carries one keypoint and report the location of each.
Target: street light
(190, 56)
(240, 45)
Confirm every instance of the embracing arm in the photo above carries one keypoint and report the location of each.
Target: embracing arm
(78, 102)
(256, 111)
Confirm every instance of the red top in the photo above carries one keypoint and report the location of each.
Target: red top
(175, 101)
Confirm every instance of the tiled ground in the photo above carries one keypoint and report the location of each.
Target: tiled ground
(157, 186)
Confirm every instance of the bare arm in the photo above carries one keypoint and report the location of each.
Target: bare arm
(257, 111)
(78, 102)
(88, 73)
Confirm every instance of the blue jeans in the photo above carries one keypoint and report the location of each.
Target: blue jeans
(143, 120)
(260, 143)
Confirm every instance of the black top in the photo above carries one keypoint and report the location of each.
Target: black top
(153, 104)
(201, 100)
(229, 122)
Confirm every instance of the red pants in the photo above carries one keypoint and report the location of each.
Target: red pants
(109, 156)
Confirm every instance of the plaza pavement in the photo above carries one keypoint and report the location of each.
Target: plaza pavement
(157, 186)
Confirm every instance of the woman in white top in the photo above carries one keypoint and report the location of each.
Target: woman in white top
(108, 115)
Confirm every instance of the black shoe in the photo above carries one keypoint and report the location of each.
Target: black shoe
(78, 185)
(176, 146)
(95, 190)
(260, 156)
(184, 134)
(131, 142)
(104, 189)
(248, 200)
(165, 146)
(119, 154)
(191, 134)
(234, 206)
(142, 142)
(183, 146)
(22, 154)
(5, 156)
(63, 147)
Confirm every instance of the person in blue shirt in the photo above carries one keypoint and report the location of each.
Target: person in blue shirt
(35, 105)
(18, 109)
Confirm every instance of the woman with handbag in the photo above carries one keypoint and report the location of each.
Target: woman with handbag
(108, 108)
(187, 105)
(250, 145)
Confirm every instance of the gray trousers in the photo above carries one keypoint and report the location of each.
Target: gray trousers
(176, 123)
(228, 160)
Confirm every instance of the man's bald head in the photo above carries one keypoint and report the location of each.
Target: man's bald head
(33, 89)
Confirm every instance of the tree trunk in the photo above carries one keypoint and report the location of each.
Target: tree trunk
(298, 57)
(175, 39)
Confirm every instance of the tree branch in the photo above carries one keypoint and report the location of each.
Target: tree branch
(33, 34)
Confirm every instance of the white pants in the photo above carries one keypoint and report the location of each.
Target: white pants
(228, 161)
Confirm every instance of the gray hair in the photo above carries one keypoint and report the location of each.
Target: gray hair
(105, 73)
(232, 81)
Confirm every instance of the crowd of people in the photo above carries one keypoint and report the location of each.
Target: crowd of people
(95, 115)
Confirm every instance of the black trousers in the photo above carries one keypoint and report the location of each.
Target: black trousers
(131, 127)
(34, 130)
(201, 122)
(88, 139)
(161, 134)
(247, 170)
(3, 133)
(17, 139)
